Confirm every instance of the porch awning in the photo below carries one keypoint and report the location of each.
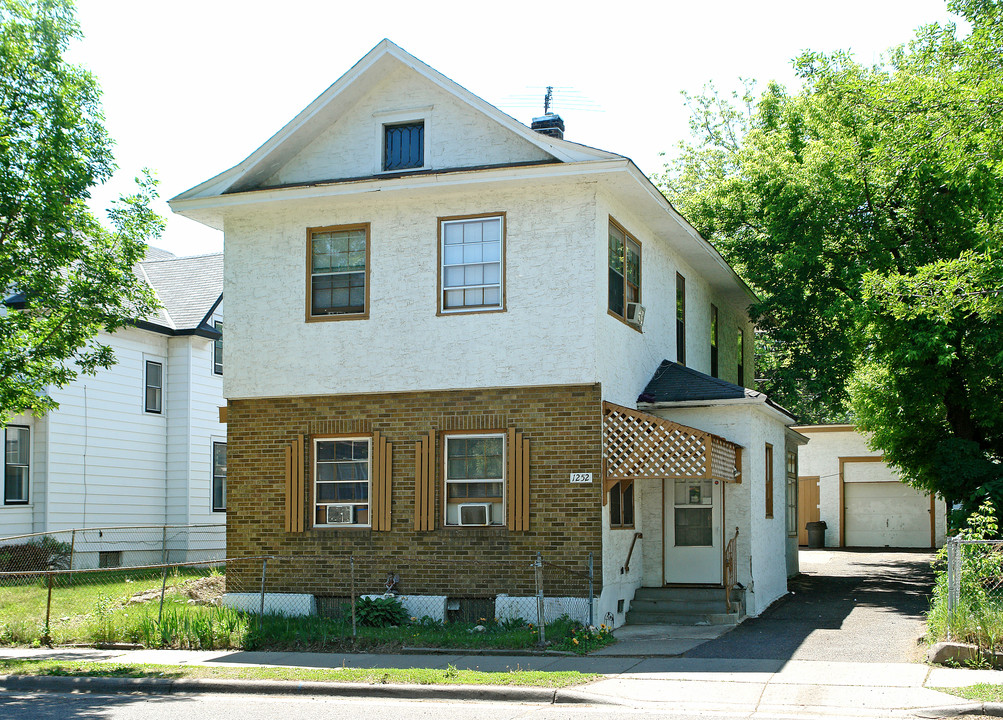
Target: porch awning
(639, 446)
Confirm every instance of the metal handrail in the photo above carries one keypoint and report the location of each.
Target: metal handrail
(626, 564)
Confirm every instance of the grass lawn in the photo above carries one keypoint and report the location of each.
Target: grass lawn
(419, 676)
(982, 692)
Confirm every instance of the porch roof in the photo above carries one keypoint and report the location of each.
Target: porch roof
(638, 446)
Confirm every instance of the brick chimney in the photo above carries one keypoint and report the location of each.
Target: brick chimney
(550, 125)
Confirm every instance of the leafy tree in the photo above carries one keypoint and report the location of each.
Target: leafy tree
(73, 276)
(864, 209)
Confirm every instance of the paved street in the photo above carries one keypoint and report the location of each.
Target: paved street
(849, 605)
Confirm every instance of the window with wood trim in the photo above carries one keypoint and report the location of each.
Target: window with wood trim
(217, 350)
(713, 340)
(769, 480)
(219, 477)
(338, 272)
(474, 478)
(154, 382)
(621, 505)
(472, 267)
(16, 465)
(740, 354)
(680, 319)
(792, 493)
(624, 285)
(341, 481)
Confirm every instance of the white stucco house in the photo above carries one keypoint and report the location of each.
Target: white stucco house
(863, 501)
(139, 443)
(450, 335)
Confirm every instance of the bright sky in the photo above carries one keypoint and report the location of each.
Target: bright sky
(192, 87)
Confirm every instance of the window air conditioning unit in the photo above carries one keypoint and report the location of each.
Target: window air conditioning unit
(339, 514)
(635, 314)
(475, 514)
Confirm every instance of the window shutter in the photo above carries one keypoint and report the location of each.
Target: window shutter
(424, 483)
(380, 483)
(518, 480)
(294, 485)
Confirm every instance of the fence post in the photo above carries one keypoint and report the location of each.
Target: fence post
(261, 606)
(73, 543)
(953, 580)
(591, 593)
(541, 618)
(163, 588)
(351, 562)
(46, 638)
(163, 547)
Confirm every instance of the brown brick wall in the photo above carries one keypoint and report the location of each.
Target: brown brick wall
(563, 425)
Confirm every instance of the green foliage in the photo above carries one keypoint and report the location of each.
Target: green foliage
(73, 275)
(380, 612)
(45, 554)
(573, 636)
(978, 616)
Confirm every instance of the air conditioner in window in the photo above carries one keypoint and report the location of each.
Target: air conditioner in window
(635, 314)
(475, 514)
(339, 515)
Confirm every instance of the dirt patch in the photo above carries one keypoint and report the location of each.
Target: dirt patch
(198, 591)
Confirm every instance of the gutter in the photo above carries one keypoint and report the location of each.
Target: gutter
(762, 401)
(202, 330)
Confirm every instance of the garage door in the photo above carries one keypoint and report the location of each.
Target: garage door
(886, 514)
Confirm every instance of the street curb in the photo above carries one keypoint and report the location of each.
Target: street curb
(169, 686)
(946, 711)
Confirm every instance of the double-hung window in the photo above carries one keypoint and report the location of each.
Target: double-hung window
(472, 270)
(217, 350)
(154, 401)
(475, 479)
(338, 259)
(621, 505)
(16, 449)
(792, 493)
(341, 481)
(624, 271)
(219, 477)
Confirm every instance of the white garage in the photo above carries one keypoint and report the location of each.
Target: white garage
(886, 514)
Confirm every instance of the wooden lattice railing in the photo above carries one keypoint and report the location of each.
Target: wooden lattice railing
(638, 446)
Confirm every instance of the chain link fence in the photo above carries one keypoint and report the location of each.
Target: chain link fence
(975, 591)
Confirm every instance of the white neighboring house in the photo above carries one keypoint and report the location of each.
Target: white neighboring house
(139, 443)
(862, 501)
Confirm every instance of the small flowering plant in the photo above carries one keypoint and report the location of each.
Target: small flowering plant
(583, 639)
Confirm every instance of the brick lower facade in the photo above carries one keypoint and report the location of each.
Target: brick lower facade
(563, 425)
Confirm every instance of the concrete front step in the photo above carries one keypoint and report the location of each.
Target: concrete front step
(641, 617)
(699, 605)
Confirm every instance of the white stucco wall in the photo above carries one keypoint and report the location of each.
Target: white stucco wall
(455, 134)
(761, 554)
(545, 335)
(820, 458)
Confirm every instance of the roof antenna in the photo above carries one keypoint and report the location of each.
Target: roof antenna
(550, 123)
(548, 99)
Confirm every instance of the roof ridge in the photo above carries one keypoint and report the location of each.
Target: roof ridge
(182, 257)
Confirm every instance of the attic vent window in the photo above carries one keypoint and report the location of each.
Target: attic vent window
(404, 146)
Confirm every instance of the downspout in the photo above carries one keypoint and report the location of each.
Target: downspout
(188, 435)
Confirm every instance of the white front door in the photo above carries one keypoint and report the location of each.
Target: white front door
(692, 522)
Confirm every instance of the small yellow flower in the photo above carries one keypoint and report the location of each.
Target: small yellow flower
(574, 640)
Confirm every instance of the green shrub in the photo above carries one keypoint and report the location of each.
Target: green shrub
(35, 555)
(380, 612)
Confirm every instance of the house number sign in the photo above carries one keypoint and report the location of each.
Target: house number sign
(581, 477)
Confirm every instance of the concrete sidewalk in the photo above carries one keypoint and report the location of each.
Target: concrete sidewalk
(769, 687)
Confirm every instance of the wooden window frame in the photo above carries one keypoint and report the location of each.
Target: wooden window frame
(27, 467)
(769, 481)
(714, 366)
(217, 349)
(314, 502)
(159, 409)
(622, 493)
(458, 434)
(328, 317)
(215, 477)
(680, 319)
(441, 310)
(627, 238)
(791, 470)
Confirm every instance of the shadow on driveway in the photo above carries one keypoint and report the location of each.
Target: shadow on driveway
(847, 605)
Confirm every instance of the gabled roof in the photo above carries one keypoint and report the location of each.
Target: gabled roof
(189, 289)
(340, 96)
(675, 384)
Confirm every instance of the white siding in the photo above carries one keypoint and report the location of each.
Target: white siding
(456, 135)
(18, 519)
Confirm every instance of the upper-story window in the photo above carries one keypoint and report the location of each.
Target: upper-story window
(472, 270)
(740, 350)
(624, 271)
(15, 482)
(680, 319)
(713, 340)
(339, 272)
(404, 146)
(217, 349)
(154, 402)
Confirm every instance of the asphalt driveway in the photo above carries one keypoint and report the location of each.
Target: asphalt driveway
(847, 605)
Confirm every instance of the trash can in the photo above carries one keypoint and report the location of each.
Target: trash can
(816, 534)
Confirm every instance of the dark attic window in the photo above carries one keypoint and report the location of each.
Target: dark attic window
(404, 146)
